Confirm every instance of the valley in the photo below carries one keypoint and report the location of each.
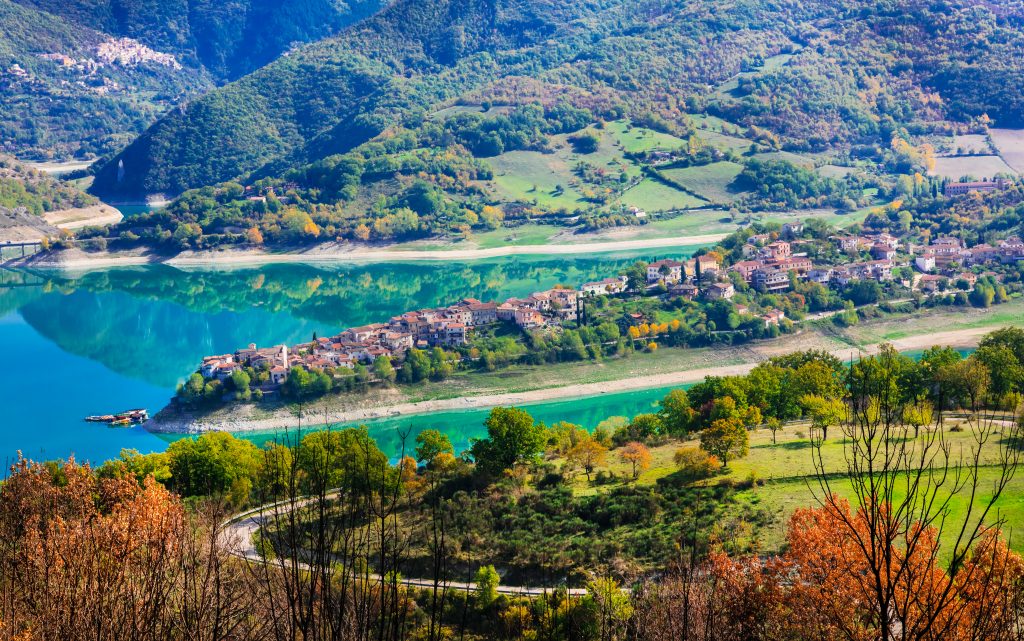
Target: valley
(495, 320)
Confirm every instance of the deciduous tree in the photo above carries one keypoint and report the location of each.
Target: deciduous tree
(638, 457)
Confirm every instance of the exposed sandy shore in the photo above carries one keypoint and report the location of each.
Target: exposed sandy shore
(84, 217)
(75, 260)
(20, 226)
(240, 422)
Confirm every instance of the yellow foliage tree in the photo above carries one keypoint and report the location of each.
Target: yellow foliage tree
(253, 236)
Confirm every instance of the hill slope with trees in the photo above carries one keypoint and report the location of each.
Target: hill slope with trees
(82, 78)
(61, 96)
(226, 39)
(853, 74)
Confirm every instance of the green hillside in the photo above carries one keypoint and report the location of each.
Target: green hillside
(70, 86)
(228, 39)
(851, 75)
(59, 98)
(35, 192)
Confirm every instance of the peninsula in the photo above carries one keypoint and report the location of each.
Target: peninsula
(758, 283)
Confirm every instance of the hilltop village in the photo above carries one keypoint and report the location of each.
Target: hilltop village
(756, 284)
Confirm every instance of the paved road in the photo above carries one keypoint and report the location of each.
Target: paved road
(238, 533)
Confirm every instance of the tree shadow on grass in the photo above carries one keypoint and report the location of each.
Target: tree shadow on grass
(788, 445)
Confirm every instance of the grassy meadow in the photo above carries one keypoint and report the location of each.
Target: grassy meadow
(776, 478)
(1010, 143)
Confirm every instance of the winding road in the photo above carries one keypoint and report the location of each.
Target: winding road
(237, 536)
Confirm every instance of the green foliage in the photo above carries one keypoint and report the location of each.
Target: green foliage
(383, 370)
(676, 414)
(586, 142)
(23, 188)
(725, 438)
(487, 581)
(512, 437)
(643, 427)
(86, 108)
(431, 443)
(782, 185)
(213, 464)
(347, 458)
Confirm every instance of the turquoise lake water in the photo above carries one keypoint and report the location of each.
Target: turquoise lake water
(111, 340)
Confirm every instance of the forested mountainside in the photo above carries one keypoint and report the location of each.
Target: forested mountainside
(83, 78)
(858, 70)
(228, 39)
(68, 90)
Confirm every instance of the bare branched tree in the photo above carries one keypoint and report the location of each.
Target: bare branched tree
(923, 502)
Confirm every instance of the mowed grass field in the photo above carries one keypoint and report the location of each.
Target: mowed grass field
(638, 139)
(652, 195)
(550, 181)
(724, 141)
(956, 167)
(534, 176)
(787, 481)
(1010, 143)
(778, 478)
(709, 181)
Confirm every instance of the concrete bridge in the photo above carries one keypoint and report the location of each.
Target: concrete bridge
(11, 250)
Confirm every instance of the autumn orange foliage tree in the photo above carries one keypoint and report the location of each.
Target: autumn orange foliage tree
(84, 557)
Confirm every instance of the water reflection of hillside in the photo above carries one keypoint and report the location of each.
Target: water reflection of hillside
(155, 323)
(156, 341)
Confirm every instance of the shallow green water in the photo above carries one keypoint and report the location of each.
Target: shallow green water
(461, 426)
(111, 340)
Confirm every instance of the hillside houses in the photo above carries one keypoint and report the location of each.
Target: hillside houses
(446, 327)
(605, 287)
(943, 252)
(669, 272)
(665, 271)
(770, 264)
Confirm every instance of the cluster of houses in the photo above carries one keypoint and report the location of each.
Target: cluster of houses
(769, 265)
(439, 327)
(682, 278)
(944, 258)
(942, 252)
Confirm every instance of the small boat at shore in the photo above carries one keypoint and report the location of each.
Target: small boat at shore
(121, 419)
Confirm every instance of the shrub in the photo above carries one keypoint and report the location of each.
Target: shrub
(695, 463)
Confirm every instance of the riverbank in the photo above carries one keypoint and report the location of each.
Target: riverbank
(79, 260)
(387, 403)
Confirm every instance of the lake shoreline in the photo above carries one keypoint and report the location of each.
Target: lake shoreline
(239, 419)
(77, 260)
